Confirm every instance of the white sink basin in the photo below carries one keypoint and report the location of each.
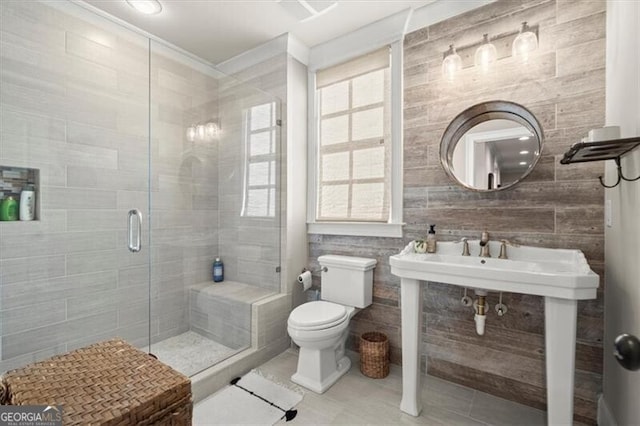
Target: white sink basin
(529, 270)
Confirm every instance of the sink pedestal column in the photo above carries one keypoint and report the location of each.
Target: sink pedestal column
(411, 299)
(560, 349)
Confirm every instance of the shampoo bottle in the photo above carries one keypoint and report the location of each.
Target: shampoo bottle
(218, 270)
(27, 203)
(431, 239)
(9, 209)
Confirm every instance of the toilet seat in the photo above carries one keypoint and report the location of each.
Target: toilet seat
(318, 315)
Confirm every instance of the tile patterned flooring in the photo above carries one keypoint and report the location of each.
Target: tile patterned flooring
(190, 352)
(356, 399)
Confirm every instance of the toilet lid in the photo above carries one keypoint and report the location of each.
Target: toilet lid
(318, 314)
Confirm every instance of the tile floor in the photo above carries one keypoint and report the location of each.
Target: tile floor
(190, 352)
(356, 399)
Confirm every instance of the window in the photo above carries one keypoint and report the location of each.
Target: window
(354, 139)
(355, 181)
(260, 161)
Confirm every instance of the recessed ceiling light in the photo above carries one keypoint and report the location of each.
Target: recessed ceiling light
(148, 7)
(524, 152)
(523, 163)
(524, 138)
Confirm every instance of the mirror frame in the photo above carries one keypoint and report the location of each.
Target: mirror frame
(480, 113)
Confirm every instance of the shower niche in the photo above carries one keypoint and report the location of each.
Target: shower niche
(13, 180)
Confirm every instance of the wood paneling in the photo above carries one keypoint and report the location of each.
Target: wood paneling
(556, 206)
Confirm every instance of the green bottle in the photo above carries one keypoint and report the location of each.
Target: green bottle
(9, 209)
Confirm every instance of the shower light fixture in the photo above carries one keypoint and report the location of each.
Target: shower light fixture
(486, 54)
(148, 7)
(451, 64)
(205, 131)
(525, 43)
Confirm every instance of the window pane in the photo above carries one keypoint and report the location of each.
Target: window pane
(368, 201)
(334, 98)
(334, 202)
(272, 202)
(368, 89)
(272, 168)
(368, 163)
(257, 200)
(262, 117)
(334, 130)
(260, 143)
(368, 124)
(335, 166)
(259, 173)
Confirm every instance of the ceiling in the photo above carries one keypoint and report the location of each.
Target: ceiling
(217, 30)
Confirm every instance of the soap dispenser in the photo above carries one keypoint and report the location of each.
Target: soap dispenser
(431, 239)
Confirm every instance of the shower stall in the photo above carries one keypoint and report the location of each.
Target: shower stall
(148, 164)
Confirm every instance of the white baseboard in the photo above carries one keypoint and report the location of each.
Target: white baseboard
(605, 418)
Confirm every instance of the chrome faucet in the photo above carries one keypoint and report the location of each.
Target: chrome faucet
(484, 245)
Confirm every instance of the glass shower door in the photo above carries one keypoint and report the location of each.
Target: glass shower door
(74, 122)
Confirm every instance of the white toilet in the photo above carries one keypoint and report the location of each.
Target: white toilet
(321, 328)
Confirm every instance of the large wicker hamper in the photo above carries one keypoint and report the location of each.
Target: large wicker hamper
(108, 383)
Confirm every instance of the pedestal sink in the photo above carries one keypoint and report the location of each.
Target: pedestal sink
(562, 276)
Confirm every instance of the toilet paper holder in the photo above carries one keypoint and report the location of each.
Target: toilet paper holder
(323, 269)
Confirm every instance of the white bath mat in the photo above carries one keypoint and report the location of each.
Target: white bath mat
(249, 400)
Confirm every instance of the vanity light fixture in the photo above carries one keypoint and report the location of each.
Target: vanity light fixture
(486, 54)
(525, 43)
(148, 7)
(451, 64)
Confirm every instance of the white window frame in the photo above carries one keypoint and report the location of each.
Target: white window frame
(393, 227)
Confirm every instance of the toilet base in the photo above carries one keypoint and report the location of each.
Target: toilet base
(343, 366)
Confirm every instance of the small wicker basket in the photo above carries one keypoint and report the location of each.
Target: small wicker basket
(374, 355)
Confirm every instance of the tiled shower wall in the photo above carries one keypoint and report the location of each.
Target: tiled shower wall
(556, 206)
(75, 104)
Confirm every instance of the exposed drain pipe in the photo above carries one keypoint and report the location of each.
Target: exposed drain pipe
(481, 311)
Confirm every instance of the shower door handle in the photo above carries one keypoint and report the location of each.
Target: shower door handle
(135, 241)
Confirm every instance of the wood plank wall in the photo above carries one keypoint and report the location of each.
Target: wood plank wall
(556, 206)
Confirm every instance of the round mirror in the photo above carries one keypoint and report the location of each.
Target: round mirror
(491, 146)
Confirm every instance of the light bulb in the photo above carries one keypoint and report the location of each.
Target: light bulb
(211, 130)
(191, 133)
(524, 44)
(148, 7)
(200, 132)
(451, 64)
(486, 54)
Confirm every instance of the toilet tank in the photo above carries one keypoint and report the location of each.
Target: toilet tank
(347, 280)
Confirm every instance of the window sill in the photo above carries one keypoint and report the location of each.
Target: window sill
(356, 229)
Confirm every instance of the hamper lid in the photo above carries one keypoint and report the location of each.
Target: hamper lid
(316, 314)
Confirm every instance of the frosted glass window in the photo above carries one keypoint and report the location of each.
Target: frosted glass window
(354, 127)
(258, 204)
(334, 130)
(260, 167)
(368, 124)
(259, 173)
(368, 89)
(335, 166)
(369, 163)
(335, 201)
(368, 199)
(260, 143)
(335, 98)
(262, 116)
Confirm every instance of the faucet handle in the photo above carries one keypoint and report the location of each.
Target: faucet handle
(503, 248)
(465, 246)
